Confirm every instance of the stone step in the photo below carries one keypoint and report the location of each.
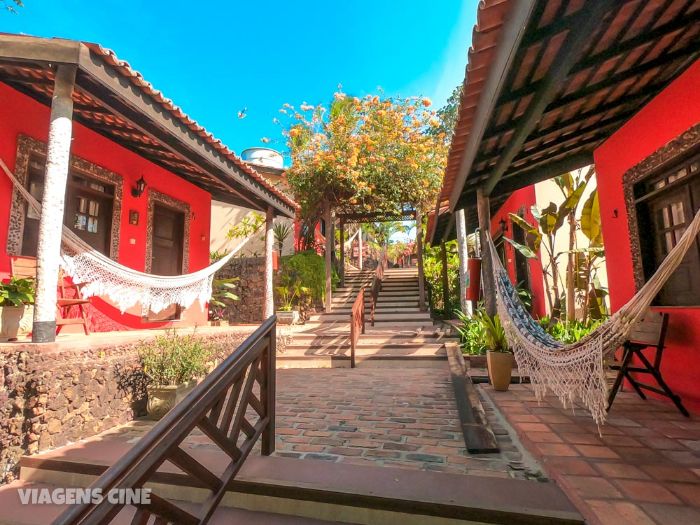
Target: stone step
(344, 324)
(13, 512)
(379, 316)
(307, 489)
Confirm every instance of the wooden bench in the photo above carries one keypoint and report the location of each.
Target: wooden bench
(648, 333)
(24, 267)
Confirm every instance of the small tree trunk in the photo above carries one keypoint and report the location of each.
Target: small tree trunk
(329, 258)
(359, 243)
(571, 271)
(445, 280)
(487, 281)
(419, 257)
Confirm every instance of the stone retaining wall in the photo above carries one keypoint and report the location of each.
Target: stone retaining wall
(52, 394)
(250, 289)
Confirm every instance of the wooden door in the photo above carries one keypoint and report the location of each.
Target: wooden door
(168, 241)
(167, 252)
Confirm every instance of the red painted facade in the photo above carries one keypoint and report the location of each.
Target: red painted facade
(666, 117)
(19, 114)
(521, 202)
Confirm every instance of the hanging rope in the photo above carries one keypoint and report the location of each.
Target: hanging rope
(99, 275)
(576, 371)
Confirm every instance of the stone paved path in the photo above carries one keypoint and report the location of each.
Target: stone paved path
(388, 417)
(378, 417)
(644, 469)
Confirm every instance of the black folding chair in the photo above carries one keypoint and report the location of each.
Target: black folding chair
(648, 333)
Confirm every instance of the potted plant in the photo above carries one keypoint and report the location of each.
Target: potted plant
(499, 357)
(173, 364)
(286, 312)
(15, 297)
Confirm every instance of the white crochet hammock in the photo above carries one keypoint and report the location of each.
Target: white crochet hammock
(576, 371)
(125, 287)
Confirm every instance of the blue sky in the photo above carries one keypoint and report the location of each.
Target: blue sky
(216, 58)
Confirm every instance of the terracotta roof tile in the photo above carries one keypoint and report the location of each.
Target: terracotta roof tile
(124, 69)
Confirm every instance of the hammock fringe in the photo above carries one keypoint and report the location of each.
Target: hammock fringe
(125, 287)
(577, 371)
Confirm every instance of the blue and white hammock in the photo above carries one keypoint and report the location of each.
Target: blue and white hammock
(577, 371)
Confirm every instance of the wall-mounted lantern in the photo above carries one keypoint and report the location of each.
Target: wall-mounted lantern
(140, 187)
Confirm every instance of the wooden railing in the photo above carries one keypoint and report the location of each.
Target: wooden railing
(227, 408)
(357, 323)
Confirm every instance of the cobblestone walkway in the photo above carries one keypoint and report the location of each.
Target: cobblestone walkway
(644, 469)
(394, 417)
(382, 417)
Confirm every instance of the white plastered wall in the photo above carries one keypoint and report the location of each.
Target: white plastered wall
(225, 216)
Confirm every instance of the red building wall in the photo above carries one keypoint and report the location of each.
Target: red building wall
(19, 114)
(668, 115)
(521, 200)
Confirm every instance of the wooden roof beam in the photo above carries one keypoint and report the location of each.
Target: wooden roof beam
(587, 24)
(512, 34)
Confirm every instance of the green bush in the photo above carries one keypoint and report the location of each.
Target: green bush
(568, 332)
(174, 359)
(17, 292)
(307, 270)
(480, 333)
(471, 334)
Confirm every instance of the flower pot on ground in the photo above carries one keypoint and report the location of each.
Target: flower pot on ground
(288, 316)
(499, 358)
(500, 366)
(173, 365)
(15, 296)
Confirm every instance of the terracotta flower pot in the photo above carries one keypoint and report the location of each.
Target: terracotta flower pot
(500, 366)
(10, 317)
(162, 398)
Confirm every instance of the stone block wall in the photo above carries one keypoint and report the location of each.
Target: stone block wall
(250, 289)
(55, 393)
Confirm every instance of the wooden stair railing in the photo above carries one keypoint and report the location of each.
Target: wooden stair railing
(219, 407)
(357, 323)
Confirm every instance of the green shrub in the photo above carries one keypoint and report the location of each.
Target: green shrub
(568, 332)
(307, 270)
(17, 292)
(471, 334)
(174, 359)
(480, 333)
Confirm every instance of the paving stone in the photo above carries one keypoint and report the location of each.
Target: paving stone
(647, 491)
(430, 458)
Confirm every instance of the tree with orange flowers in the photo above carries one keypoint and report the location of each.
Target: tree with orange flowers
(364, 154)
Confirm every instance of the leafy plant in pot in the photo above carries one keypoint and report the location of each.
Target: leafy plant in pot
(499, 357)
(173, 364)
(16, 295)
(290, 292)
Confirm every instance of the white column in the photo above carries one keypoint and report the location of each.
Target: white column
(463, 258)
(359, 243)
(52, 205)
(269, 305)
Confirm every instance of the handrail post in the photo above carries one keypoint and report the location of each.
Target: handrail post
(268, 394)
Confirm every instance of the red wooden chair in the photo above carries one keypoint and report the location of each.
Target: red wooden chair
(24, 267)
